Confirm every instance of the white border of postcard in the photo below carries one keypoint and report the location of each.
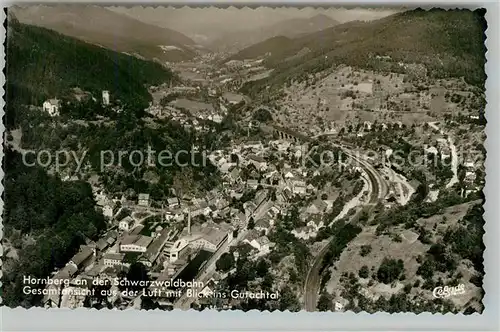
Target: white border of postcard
(39, 319)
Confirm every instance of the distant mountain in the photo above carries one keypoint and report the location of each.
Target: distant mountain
(98, 25)
(300, 26)
(44, 64)
(275, 46)
(290, 28)
(449, 44)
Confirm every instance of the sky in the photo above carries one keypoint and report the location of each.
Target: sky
(215, 21)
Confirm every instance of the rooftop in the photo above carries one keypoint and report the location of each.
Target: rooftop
(114, 256)
(154, 249)
(138, 240)
(82, 255)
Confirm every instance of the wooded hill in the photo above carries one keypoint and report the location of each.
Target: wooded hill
(449, 43)
(44, 64)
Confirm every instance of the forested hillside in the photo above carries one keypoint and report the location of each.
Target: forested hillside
(43, 64)
(45, 220)
(449, 44)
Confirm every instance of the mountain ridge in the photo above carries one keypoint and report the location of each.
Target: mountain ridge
(289, 28)
(447, 43)
(100, 26)
(45, 64)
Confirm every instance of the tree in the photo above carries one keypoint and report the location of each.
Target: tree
(137, 272)
(364, 216)
(235, 158)
(225, 262)
(364, 271)
(390, 270)
(288, 300)
(262, 268)
(262, 115)
(251, 223)
(183, 182)
(325, 302)
(148, 304)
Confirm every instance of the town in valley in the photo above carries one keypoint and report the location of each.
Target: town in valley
(299, 164)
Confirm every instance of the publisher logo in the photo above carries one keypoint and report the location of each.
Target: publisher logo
(447, 291)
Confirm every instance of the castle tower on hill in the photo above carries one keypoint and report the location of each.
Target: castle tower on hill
(105, 97)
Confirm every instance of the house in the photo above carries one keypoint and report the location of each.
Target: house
(315, 222)
(285, 195)
(259, 162)
(66, 273)
(143, 200)
(221, 203)
(176, 215)
(178, 248)
(240, 219)
(208, 290)
(339, 306)
(51, 106)
(234, 175)
(225, 167)
(252, 235)
(304, 233)
(261, 243)
(273, 178)
(136, 230)
(173, 202)
(470, 176)
(310, 188)
(263, 225)
(101, 244)
(253, 173)
(201, 207)
(431, 150)
(299, 187)
(83, 258)
(135, 243)
(252, 183)
(210, 239)
(112, 259)
(111, 238)
(254, 145)
(469, 164)
(445, 153)
(156, 246)
(316, 207)
(249, 207)
(108, 209)
(126, 224)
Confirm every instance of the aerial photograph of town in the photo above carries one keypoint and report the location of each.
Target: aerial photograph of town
(302, 159)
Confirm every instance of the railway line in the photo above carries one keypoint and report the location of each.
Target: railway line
(378, 191)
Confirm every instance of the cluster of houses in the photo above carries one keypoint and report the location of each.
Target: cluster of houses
(470, 177)
(247, 166)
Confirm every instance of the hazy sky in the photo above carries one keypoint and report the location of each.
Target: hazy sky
(215, 20)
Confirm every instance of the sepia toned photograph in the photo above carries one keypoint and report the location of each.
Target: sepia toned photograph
(273, 158)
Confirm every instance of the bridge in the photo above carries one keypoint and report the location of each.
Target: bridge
(289, 134)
